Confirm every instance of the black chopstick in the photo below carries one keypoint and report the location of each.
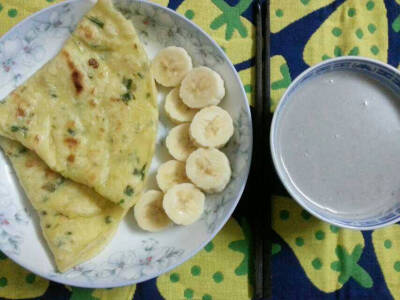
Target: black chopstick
(261, 169)
(269, 169)
(258, 246)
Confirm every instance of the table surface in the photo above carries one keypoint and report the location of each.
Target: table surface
(311, 259)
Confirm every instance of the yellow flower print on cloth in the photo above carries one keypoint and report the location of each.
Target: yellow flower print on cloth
(280, 79)
(224, 23)
(219, 271)
(14, 11)
(355, 28)
(285, 12)
(17, 283)
(248, 79)
(161, 2)
(387, 249)
(328, 255)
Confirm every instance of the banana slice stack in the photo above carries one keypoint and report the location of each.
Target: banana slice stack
(202, 128)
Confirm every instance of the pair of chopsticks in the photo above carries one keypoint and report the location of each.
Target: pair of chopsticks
(262, 168)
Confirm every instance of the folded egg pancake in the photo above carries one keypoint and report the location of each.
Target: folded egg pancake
(91, 114)
(76, 222)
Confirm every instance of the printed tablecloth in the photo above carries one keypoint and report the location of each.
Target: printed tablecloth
(311, 259)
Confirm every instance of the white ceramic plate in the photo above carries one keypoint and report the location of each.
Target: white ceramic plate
(133, 255)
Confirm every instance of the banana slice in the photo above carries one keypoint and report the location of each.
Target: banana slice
(184, 203)
(202, 87)
(171, 65)
(178, 142)
(171, 173)
(212, 127)
(149, 212)
(176, 110)
(209, 169)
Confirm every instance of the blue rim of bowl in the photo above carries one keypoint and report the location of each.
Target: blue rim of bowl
(239, 195)
(273, 136)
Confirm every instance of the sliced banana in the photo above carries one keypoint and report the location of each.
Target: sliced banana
(171, 173)
(212, 127)
(178, 142)
(208, 169)
(184, 203)
(202, 87)
(176, 110)
(171, 65)
(149, 212)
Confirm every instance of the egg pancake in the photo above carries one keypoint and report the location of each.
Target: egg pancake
(91, 113)
(76, 222)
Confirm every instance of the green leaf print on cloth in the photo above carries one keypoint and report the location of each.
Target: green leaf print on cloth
(396, 24)
(233, 33)
(321, 249)
(280, 80)
(348, 267)
(243, 246)
(82, 294)
(231, 17)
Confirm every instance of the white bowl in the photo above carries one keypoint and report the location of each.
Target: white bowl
(365, 156)
(133, 255)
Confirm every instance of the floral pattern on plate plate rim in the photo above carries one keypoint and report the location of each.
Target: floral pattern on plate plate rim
(19, 53)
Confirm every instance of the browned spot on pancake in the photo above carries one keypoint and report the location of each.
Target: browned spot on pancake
(20, 112)
(92, 177)
(19, 100)
(93, 63)
(76, 75)
(30, 163)
(87, 32)
(15, 94)
(71, 158)
(92, 103)
(115, 99)
(118, 125)
(102, 130)
(70, 125)
(77, 79)
(51, 175)
(71, 142)
(101, 75)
